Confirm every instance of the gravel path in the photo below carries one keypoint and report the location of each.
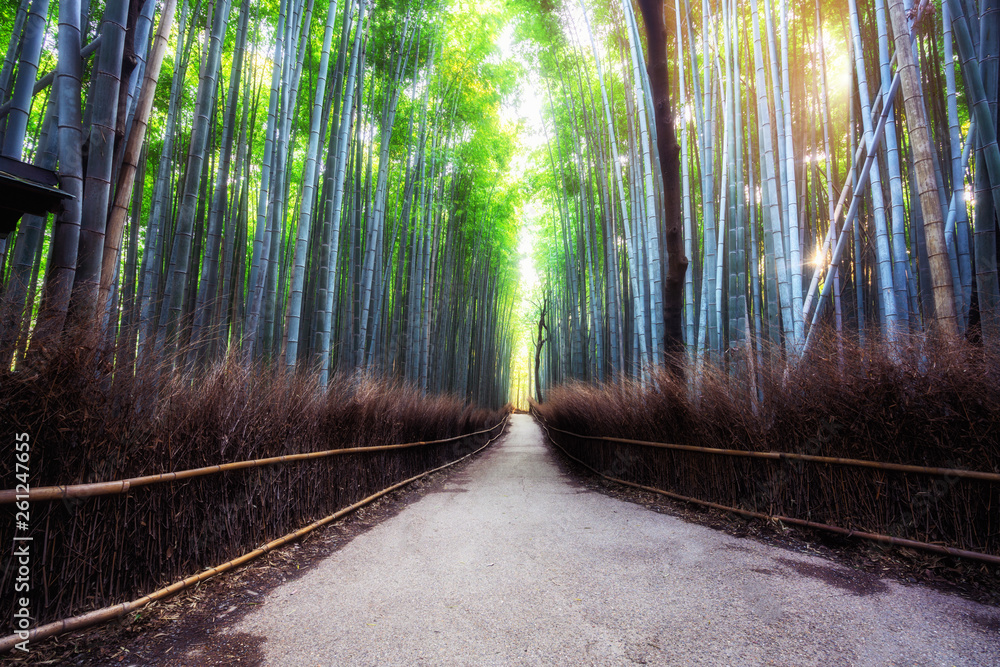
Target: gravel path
(511, 562)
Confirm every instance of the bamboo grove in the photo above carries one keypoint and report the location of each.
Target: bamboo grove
(829, 185)
(319, 187)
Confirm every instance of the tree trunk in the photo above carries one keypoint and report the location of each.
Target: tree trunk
(99, 167)
(119, 209)
(923, 158)
(27, 71)
(538, 351)
(666, 138)
(66, 234)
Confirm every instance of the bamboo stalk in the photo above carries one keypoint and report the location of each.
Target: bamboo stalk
(923, 164)
(119, 208)
(849, 226)
(878, 465)
(46, 80)
(122, 486)
(859, 154)
(100, 615)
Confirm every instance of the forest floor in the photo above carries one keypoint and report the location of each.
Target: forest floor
(515, 558)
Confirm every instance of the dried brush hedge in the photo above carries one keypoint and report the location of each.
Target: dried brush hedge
(89, 424)
(924, 406)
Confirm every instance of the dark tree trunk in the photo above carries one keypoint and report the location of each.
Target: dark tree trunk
(666, 141)
(538, 350)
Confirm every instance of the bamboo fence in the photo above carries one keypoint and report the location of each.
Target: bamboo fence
(101, 543)
(790, 456)
(947, 517)
(97, 616)
(116, 487)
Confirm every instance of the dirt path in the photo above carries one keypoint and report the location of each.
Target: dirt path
(511, 562)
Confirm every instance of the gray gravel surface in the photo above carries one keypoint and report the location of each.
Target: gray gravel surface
(511, 562)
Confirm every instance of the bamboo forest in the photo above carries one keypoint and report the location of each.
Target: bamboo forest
(238, 231)
(348, 187)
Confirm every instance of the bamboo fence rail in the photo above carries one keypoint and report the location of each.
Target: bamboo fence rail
(123, 485)
(97, 616)
(878, 465)
(876, 537)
